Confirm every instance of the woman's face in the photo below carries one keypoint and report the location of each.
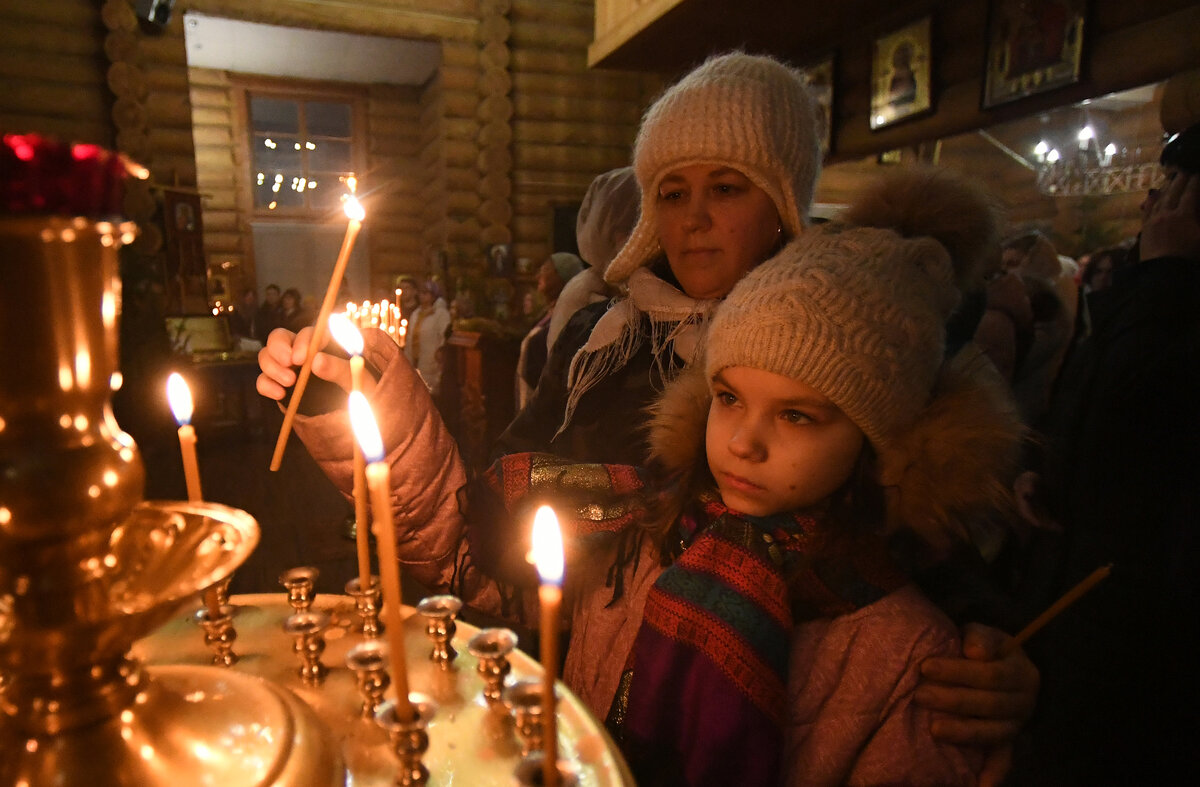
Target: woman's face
(715, 225)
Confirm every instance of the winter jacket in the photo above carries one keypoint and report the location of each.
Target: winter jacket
(851, 678)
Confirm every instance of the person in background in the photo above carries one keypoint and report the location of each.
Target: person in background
(607, 216)
(292, 314)
(1119, 482)
(270, 313)
(1102, 267)
(555, 272)
(245, 317)
(427, 328)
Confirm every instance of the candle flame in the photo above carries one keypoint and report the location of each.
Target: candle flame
(346, 334)
(547, 546)
(179, 396)
(366, 431)
(354, 209)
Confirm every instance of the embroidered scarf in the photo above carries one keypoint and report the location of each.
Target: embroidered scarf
(704, 698)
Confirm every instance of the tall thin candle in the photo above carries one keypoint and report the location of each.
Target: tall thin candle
(179, 397)
(548, 557)
(348, 336)
(356, 214)
(367, 433)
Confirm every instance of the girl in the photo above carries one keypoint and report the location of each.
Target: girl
(736, 616)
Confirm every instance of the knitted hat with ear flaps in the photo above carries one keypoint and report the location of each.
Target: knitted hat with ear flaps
(751, 113)
(856, 313)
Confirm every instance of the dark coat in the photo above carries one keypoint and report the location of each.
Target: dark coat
(1120, 683)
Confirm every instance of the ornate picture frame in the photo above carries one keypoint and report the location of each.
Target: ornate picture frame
(900, 74)
(1033, 46)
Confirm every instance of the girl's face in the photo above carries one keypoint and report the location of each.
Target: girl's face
(715, 225)
(775, 444)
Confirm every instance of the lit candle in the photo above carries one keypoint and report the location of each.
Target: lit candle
(179, 397)
(367, 433)
(348, 336)
(356, 214)
(548, 557)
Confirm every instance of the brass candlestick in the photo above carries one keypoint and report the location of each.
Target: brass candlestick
(529, 772)
(491, 647)
(309, 630)
(410, 739)
(524, 700)
(299, 583)
(222, 591)
(219, 634)
(439, 613)
(366, 604)
(369, 659)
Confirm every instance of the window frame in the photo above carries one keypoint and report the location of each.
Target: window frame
(300, 91)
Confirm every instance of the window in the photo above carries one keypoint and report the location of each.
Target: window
(302, 148)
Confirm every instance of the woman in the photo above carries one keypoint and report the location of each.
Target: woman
(427, 327)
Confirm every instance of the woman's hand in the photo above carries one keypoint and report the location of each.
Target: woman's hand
(983, 697)
(284, 354)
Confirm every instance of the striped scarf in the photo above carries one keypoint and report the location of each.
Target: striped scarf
(704, 698)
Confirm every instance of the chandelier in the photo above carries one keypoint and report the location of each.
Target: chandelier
(1087, 169)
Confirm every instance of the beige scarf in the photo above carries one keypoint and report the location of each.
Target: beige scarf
(677, 323)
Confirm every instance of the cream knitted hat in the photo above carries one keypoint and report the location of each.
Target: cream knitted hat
(856, 313)
(748, 112)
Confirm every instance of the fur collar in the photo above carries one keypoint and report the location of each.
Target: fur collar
(955, 463)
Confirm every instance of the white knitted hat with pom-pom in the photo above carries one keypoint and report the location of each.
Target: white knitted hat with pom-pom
(857, 313)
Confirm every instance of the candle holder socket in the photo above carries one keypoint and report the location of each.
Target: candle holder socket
(410, 739)
(524, 700)
(530, 772)
(491, 648)
(440, 613)
(367, 603)
(219, 634)
(299, 583)
(368, 659)
(309, 630)
(222, 590)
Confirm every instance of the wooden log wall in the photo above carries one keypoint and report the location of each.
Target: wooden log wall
(569, 124)
(53, 68)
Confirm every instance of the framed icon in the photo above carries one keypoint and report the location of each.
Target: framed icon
(900, 74)
(1033, 46)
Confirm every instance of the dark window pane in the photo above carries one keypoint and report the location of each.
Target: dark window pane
(326, 196)
(277, 156)
(327, 119)
(282, 194)
(275, 114)
(330, 156)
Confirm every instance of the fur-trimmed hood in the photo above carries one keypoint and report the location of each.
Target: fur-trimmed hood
(954, 464)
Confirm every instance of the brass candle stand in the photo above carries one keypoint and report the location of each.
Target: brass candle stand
(87, 567)
(219, 634)
(491, 647)
(410, 739)
(439, 613)
(366, 604)
(530, 773)
(299, 583)
(524, 701)
(308, 629)
(368, 659)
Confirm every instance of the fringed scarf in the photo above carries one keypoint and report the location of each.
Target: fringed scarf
(676, 323)
(704, 698)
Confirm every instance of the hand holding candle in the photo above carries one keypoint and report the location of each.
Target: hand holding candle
(548, 557)
(355, 213)
(348, 336)
(367, 433)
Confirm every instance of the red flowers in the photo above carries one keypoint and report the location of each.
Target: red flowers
(43, 176)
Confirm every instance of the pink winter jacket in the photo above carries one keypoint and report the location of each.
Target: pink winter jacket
(852, 719)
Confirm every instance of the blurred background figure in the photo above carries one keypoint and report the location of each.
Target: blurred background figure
(558, 269)
(293, 315)
(427, 327)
